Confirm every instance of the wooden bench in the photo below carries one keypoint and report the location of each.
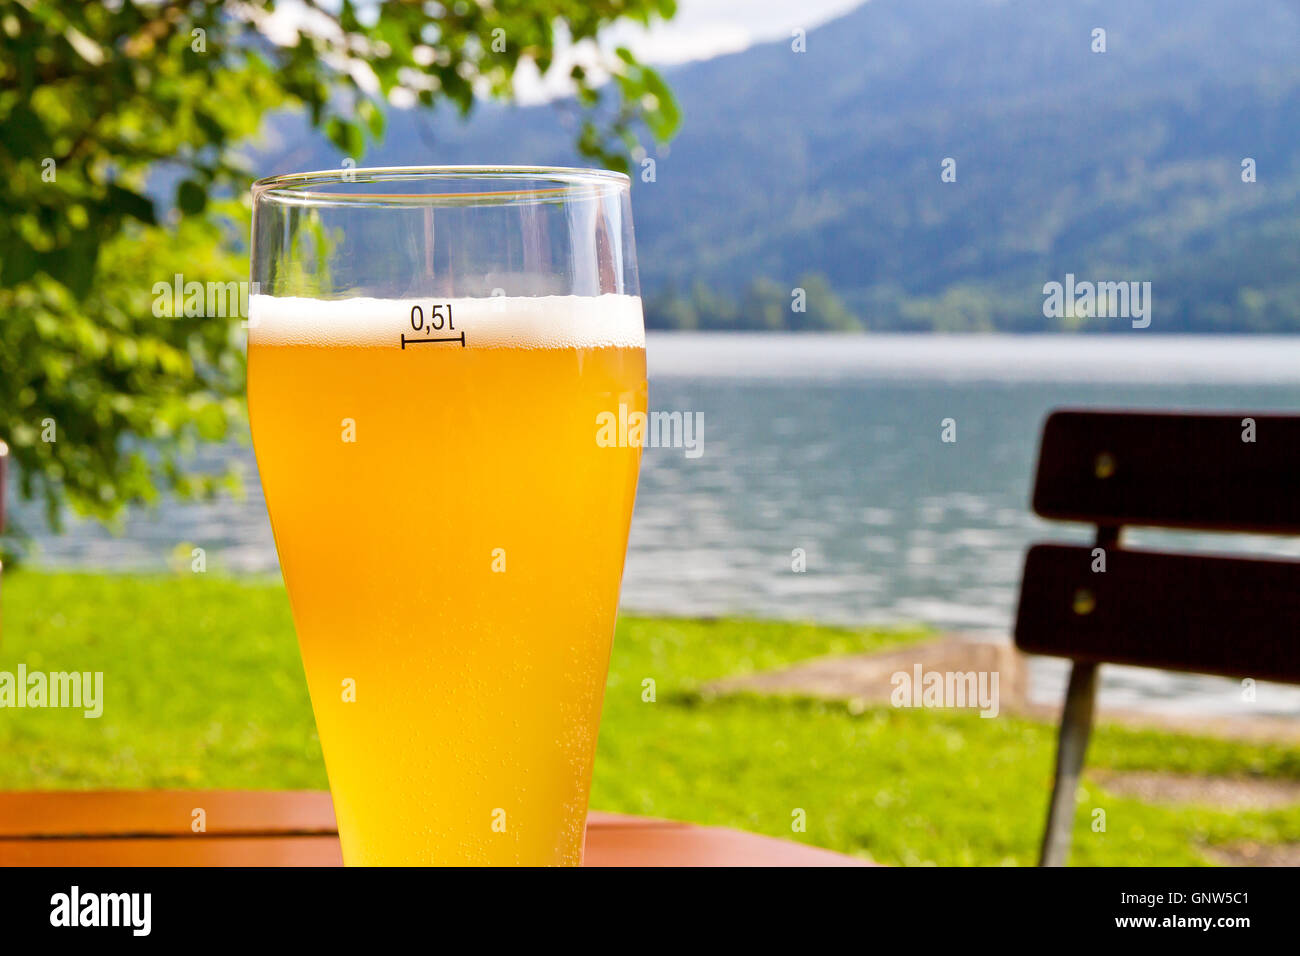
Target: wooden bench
(1231, 616)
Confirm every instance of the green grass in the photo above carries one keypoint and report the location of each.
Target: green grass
(203, 688)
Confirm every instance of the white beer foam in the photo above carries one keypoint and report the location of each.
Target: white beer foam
(536, 322)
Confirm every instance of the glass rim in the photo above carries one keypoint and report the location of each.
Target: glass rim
(563, 182)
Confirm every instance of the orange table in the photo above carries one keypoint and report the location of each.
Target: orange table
(296, 828)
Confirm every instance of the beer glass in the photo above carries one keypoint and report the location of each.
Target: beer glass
(430, 354)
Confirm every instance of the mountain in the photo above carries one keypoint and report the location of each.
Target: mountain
(1116, 165)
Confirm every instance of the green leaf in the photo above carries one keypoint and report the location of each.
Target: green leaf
(210, 128)
(665, 119)
(374, 118)
(131, 203)
(346, 135)
(23, 134)
(74, 264)
(19, 262)
(191, 198)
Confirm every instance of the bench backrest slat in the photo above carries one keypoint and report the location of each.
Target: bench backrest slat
(1238, 617)
(1171, 470)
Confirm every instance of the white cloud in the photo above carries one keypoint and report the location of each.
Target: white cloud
(708, 28)
(701, 30)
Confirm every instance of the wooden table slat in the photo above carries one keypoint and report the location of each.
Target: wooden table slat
(172, 851)
(296, 828)
(164, 812)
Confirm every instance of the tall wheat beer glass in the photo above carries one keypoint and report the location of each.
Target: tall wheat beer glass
(431, 351)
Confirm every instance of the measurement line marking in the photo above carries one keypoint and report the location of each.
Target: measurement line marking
(455, 338)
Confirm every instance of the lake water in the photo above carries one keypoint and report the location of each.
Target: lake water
(833, 445)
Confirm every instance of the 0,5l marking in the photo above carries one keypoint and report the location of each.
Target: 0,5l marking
(439, 320)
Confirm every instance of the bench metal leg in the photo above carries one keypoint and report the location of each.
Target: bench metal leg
(1076, 726)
